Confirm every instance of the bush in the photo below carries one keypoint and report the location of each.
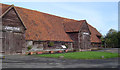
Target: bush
(51, 44)
(29, 47)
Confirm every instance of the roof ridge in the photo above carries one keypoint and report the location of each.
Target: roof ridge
(5, 4)
(40, 12)
(58, 34)
(75, 21)
(46, 13)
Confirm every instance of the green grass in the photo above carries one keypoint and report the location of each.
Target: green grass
(82, 55)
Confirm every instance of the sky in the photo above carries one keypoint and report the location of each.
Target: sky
(101, 15)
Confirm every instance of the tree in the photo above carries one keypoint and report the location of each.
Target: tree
(118, 35)
(111, 39)
(103, 41)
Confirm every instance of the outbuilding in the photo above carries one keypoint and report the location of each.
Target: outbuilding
(22, 28)
(13, 32)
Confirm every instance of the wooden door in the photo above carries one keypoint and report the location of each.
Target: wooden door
(18, 42)
(7, 42)
(85, 41)
(12, 42)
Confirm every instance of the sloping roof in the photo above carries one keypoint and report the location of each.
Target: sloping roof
(73, 26)
(94, 34)
(43, 26)
(3, 8)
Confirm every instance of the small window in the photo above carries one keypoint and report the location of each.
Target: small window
(85, 33)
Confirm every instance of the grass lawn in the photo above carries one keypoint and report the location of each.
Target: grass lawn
(82, 55)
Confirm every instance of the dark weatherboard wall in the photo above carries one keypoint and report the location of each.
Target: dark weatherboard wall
(13, 30)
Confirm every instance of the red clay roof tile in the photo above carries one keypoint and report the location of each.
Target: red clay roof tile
(43, 26)
(73, 26)
(94, 34)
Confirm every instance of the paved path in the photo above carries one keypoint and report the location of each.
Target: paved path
(38, 62)
(112, 50)
(20, 61)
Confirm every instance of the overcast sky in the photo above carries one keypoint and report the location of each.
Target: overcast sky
(102, 15)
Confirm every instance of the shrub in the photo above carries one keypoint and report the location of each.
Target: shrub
(29, 47)
(51, 44)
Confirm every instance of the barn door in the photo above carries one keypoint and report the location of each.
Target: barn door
(12, 43)
(7, 42)
(18, 42)
(85, 40)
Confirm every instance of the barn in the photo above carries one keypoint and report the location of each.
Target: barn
(13, 32)
(23, 27)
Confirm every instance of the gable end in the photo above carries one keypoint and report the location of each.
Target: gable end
(13, 9)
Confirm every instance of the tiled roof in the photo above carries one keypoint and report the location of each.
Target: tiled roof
(43, 26)
(3, 8)
(94, 34)
(73, 26)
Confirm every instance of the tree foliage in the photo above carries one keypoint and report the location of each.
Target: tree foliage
(103, 41)
(29, 47)
(119, 39)
(111, 39)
